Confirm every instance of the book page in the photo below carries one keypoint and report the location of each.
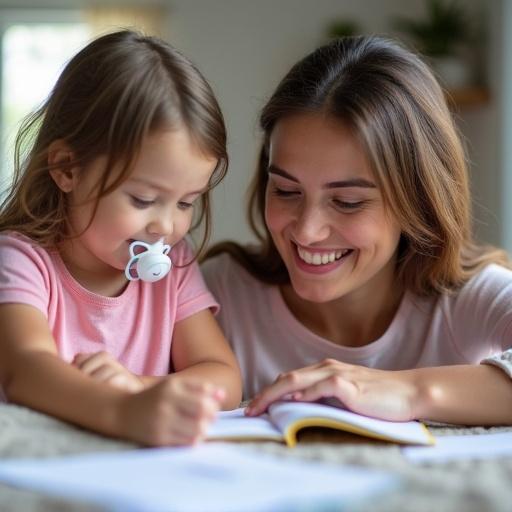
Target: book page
(234, 425)
(291, 416)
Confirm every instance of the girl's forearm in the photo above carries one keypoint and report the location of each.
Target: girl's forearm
(222, 375)
(463, 394)
(44, 382)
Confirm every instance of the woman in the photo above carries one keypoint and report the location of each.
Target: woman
(366, 286)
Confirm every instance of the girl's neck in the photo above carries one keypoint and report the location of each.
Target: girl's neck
(100, 279)
(354, 320)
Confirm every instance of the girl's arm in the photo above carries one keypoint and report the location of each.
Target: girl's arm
(463, 394)
(32, 374)
(199, 349)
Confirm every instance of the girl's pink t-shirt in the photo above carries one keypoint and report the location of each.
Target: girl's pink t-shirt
(136, 327)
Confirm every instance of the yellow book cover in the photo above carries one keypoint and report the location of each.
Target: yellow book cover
(284, 420)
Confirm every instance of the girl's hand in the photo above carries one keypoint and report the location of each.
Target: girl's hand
(175, 411)
(103, 367)
(388, 395)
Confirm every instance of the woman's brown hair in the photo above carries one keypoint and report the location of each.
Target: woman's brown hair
(391, 101)
(115, 92)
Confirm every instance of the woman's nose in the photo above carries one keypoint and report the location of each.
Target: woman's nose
(311, 225)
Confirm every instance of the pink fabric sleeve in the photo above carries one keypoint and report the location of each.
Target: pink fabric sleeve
(24, 277)
(482, 312)
(193, 295)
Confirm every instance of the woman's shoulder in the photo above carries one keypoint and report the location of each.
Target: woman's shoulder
(493, 278)
(224, 265)
(488, 292)
(222, 270)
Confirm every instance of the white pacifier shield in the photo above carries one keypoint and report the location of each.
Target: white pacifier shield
(151, 267)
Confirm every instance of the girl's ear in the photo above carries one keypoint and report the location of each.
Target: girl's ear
(60, 157)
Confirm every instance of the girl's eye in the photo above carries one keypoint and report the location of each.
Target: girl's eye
(346, 205)
(141, 203)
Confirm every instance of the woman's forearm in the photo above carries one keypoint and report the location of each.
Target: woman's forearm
(463, 394)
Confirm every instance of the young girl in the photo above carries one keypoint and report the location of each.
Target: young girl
(366, 286)
(129, 141)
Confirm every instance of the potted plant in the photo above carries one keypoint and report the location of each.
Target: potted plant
(443, 36)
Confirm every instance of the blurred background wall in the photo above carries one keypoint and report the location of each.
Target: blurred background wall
(244, 47)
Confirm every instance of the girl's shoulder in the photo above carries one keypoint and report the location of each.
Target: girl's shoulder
(15, 242)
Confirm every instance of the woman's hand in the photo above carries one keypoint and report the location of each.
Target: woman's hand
(103, 367)
(175, 411)
(388, 395)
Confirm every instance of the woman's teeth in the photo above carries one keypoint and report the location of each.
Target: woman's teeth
(315, 258)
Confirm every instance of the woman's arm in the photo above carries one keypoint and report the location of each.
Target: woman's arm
(199, 349)
(465, 394)
(32, 374)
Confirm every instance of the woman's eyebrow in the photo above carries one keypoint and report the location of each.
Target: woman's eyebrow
(354, 182)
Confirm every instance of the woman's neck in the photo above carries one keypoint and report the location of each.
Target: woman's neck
(354, 320)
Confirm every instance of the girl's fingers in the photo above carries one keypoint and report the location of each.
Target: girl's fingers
(91, 362)
(126, 382)
(103, 372)
(80, 359)
(203, 408)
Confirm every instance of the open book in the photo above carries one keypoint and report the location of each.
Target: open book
(284, 420)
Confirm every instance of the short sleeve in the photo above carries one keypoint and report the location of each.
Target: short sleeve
(24, 276)
(192, 292)
(482, 311)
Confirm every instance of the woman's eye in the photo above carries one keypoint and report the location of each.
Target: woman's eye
(284, 193)
(141, 203)
(182, 205)
(347, 205)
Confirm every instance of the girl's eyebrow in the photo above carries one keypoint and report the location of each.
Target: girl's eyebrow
(163, 189)
(355, 182)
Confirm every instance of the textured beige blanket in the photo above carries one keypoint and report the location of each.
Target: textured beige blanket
(469, 486)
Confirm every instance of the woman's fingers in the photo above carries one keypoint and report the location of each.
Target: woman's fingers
(285, 385)
(294, 384)
(334, 386)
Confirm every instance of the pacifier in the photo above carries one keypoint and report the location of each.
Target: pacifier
(150, 265)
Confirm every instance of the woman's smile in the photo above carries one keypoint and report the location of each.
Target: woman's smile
(317, 261)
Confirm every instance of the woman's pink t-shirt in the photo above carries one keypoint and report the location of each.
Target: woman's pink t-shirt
(136, 327)
(462, 328)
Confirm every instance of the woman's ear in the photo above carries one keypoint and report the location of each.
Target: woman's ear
(62, 172)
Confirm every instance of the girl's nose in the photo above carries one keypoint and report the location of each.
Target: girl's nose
(162, 225)
(311, 226)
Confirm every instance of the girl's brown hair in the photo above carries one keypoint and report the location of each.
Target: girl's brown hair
(115, 92)
(394, 105)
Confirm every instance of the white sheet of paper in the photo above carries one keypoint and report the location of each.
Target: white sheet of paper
(213, 477)
(447, 448)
